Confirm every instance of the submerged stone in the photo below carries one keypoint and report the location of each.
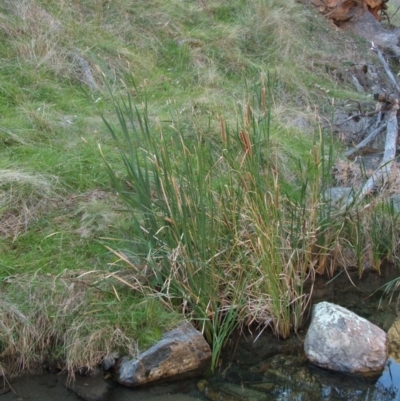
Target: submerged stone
(182, 352)
(340, 340)
(90, 388)
(229, 392)
(265, 387)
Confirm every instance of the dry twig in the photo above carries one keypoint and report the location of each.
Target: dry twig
(366, 141)
(386, 67)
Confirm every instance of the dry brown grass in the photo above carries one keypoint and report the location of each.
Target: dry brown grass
(36, 34)
(42, 40)
(68, 321)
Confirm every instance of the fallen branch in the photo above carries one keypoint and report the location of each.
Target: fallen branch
(386, 67)
(369, 114)
(381, 174)
(365, 141)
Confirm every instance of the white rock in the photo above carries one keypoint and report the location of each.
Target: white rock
(340, 340)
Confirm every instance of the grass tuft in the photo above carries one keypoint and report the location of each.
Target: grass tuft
(23, 197)
(74, 321)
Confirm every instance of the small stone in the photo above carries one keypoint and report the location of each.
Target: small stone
(202, 385)
(109, 361)
(337, 196)
(261, 367)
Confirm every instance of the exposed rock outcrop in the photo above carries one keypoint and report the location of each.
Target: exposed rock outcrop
(182, 352)
(340, 340)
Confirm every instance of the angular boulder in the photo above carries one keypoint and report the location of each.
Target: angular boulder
(182, 352)
(340, 340)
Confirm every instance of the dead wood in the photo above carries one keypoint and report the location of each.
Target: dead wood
(390, 104)
(364, 24)
(355, 116)
(382, 173)
(362, 18)
(385, 102)
(386, 68)
(365, 141)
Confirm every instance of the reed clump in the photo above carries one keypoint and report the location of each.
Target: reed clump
(232, 228)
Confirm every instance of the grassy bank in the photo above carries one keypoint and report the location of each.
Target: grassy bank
(214, 202)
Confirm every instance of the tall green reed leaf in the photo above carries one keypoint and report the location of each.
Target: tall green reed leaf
(226, 244)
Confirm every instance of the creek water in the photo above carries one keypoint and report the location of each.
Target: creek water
(253, 367)
(311, 384)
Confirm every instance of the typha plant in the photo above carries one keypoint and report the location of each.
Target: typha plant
(225, 245)
(232, 227)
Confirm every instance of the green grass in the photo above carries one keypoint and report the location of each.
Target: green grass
(195, 66)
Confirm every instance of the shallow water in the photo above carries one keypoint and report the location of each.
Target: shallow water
(289, 377)
(51, 387)
(390, 379)
(236, 384)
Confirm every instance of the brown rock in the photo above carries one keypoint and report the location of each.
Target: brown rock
(182, 352)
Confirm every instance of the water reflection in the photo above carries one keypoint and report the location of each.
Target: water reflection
(279, 378)
(292, 378)
(390, 379)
